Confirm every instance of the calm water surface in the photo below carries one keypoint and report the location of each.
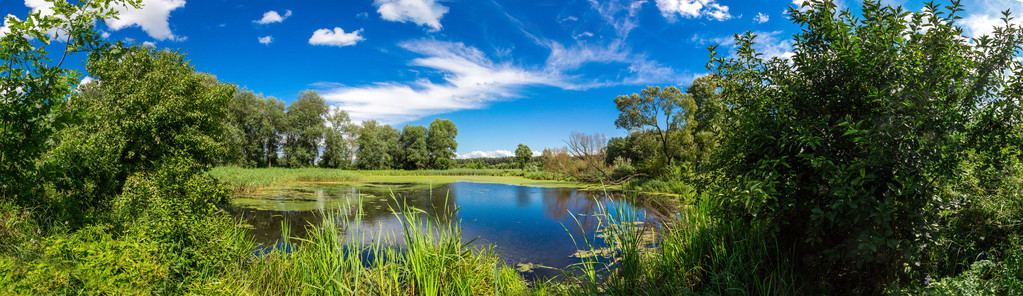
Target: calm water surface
(525, 224)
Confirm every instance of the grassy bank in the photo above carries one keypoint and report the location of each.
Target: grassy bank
(248, 180)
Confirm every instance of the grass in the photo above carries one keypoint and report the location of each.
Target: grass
(251, 180)
(334, 260)
(243, 179)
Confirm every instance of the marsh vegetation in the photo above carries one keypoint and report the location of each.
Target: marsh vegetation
(882, 157)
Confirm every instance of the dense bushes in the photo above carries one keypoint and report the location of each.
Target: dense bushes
(849, 149)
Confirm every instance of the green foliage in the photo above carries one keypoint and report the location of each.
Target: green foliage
(175, 207)
(523, 155)
(305, 126)
(441, 143)
(253, 125)
(338, 141)
(413, 151)
(665, 111)
(844, 149)
(150, 105)
(91, 261)
(34, 91)
(376, 146)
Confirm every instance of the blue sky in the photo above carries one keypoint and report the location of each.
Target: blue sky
(506, 72)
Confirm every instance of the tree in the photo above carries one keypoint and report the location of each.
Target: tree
(34, 91)
(413, 150)
(441, 143)
(844, 150)
(338, 141)
(523, 155)
(666, 111)
(253, 125)
(376, 146)
(148, 106)
(305, 129)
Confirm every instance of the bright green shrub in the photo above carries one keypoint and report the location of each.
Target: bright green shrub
(176, 207)
(91, 261)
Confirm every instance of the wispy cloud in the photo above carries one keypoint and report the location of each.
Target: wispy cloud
(337, 37)
(272, 16)
(421, 12)
(770, 44)
(471, 81)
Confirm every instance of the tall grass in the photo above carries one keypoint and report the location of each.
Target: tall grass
(693, 253)
(448, 172)
(434, 262)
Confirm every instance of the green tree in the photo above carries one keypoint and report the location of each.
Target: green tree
(338, 141)
(523, 155)
(664, 112)
(34, 90)
(376, 144)
(149, 105)
(305, 119)
(413, 152)
(253, 125)
(844, 149)
(441, 143)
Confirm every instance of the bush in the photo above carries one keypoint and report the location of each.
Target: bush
(846, 149)
(176, 208)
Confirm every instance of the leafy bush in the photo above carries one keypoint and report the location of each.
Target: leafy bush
(175, 207)
(845, 149)
(90, 261)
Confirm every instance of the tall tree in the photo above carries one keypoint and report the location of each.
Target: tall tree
(34, 90)
(338, 142)
(441, 143)
(523, 155)
(413, 152)
(305, 118)
(376, 146)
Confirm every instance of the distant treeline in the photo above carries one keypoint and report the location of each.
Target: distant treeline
(262, 132)
(506, 162)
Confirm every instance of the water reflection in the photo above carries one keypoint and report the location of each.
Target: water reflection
(525, 224)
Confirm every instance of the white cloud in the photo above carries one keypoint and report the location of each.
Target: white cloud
(490, 154)
(471, 81)
(422, 12)
(272, 16)
(85, 80)
(693, 9)
(337, 37)
(987, 14)
(266, 40)
(5, 29)
(761, 18)
(104, 34)
(769, 44)
(149, 44)
(152, 18)
(564, 59)
(486, 154)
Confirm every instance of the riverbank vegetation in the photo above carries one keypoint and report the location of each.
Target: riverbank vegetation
(882, 157)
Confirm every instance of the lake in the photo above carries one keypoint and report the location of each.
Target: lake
(525, 224)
